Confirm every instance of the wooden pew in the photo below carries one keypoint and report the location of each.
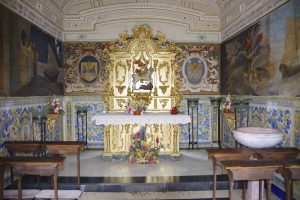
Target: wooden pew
(52, 147)
(218, 155)
(286, 153)
(251, 170)
(290, 172)
(43, 166)
(67, 147)
(34, 148)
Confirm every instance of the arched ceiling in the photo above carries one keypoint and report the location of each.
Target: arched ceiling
(67, 17)
(86, 15)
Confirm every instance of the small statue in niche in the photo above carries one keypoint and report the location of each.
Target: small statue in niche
(142, 76)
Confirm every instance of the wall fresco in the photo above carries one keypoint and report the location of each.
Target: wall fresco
(200, 68)
(264, 59)
(84, 67)
(32, 61)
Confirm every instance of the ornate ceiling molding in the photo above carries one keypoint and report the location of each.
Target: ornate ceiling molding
(32, 12)
(88, 20)
(237, 15)
(59, 17)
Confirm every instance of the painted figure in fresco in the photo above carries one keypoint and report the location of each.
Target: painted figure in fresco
(287, 72)
(28, 59)
(250, 62)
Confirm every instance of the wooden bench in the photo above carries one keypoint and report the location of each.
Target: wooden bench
(43, 166)
(218, 155)
(290, 172)
(251, 170)
(286, 153)
(34, 148)
(51, 147)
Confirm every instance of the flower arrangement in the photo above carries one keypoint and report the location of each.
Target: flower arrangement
(54, 107)
(142, 151)
(226, 106)
(136, 107)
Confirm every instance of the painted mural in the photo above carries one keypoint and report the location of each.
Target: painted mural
(31, 60)
(264, 59)
(84, 67)
(199, 68)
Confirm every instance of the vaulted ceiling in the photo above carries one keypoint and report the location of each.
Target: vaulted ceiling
(86, 16)
(74, 15)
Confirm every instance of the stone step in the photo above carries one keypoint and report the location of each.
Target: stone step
(134, 184)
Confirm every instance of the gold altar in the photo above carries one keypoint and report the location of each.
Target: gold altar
(141, 67)
(120, 127)
(117, 138)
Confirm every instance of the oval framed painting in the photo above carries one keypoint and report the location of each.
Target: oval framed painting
(89, 69)
(194, 70)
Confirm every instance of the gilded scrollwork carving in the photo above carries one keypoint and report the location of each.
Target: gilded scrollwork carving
(164, 72)
(145, 65)
(121, 103)
(163, 102)
(120, 71)
(120, 88)
(163, 88)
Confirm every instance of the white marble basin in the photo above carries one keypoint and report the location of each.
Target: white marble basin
(257, 137)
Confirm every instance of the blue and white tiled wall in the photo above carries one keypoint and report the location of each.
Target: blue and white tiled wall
(279, 113)
(95, 105)
(16, 121)
(16, 118)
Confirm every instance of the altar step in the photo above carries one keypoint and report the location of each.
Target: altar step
(134, 184)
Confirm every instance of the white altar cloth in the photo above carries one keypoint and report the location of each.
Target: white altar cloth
(146, 118)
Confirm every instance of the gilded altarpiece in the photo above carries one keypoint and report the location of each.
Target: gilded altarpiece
(142, 67)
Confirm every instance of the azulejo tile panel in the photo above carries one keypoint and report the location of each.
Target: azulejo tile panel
(204, 122)
(297, 128)
(274, 114)
(93, 105)
(16, 119)
(280, 118)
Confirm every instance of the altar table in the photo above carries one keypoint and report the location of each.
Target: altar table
(120, 126)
